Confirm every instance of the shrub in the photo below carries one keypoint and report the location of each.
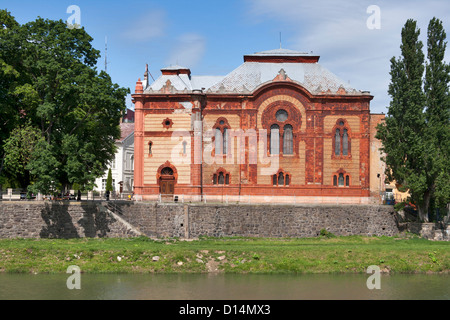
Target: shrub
(326, 233)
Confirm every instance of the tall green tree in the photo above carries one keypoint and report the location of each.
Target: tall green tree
(8, 77)
(59, 91)
(410, 134)
(436, 87)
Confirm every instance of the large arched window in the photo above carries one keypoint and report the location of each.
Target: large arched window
(341, 146)
(288, 140)
(275, 139)
(221, 136)
(282, 120)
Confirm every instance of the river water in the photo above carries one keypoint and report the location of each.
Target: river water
(223, 287)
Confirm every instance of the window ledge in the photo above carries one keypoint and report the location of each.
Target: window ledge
(334, 157)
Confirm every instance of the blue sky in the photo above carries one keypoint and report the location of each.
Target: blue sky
(211, 37)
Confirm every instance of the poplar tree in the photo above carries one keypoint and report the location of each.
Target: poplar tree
(417, 121)
(436, 87)
(109, 183)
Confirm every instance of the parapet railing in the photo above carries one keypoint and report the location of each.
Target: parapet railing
(252, 199)
(21, 195)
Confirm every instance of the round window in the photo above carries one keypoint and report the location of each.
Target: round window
(281, 115)
(222, 122)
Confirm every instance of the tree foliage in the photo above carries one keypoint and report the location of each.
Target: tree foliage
(58, 91)
(8, 77)
(415, 135)
(19, 148)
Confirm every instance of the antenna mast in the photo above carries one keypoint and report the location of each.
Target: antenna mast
(106, 53)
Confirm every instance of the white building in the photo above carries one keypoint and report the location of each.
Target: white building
(122, 167)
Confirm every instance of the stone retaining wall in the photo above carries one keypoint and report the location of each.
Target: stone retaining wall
(57, 220)
(72, 220)
(431, 231)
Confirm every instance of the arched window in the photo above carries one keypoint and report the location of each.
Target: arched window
(281, 179)
(150, 145)
(345, 143)
(341, 179)
(288, 140)
(221, 136)
(218, 140)
(274, 139)
(282, 120)
(184, 147)
(337, 142)
(225, 141)
(341, 139)
(132, 162)
(221, 177)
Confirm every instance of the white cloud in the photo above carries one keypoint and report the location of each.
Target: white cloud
(146, 27)
(337, 31)
(188, 50)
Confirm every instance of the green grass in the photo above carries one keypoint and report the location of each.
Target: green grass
(232, 255)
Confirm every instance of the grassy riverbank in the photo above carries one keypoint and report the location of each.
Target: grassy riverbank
(239, 255)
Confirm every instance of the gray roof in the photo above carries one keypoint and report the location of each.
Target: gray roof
(312, 76)
(280, 52)
(183, 82)
(249, 76)
(175, 67)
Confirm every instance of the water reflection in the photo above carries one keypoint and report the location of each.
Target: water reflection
(223, 287)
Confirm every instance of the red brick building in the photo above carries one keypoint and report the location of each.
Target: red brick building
(280, 127)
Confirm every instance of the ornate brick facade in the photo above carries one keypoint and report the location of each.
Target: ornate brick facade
(280, 125)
